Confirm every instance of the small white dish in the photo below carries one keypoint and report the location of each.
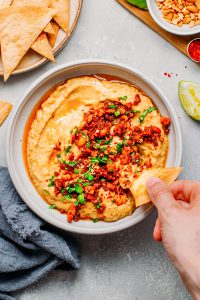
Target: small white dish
(156, 14)
(19, 118)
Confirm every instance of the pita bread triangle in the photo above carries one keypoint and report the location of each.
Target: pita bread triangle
(138, 188)
(42, 46)
(18, 31)
(62, 15)
(53, 37)
(5, 3)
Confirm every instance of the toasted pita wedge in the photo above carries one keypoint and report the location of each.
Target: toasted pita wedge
(20, 29)
(138, 188)
(53, 37)
(44, 3)
(62, 15)
(49, 29)
(5, 109)
(42, 46)
(5, 3)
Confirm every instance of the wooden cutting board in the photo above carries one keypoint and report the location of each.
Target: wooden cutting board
(177, 41)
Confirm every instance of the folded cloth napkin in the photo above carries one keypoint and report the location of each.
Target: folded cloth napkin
(29, 248)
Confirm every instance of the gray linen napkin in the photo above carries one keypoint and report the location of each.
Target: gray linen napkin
(29, 248)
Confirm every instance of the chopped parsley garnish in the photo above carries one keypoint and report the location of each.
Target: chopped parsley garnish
(117, 113)
(96, 146)
(145, 112)
(78, 188)
(88, 176)
(80, 180)
(128, 112)
(81, 199)
(46, 192)
(112, 106)
(111, 170)
(123, 98)
(72, 163)
(103, 149)
(119, 147)
(85, 135)
(52, 206)
(77, 171)
(88, 144)
(136, 111)
(108, 142)
(95, 220)
(87, 183)
(51, 181)
(98, 205)
(76, 203)
(58, 155)
(94, 160)
(67, 149)
(70, 189)
(137, 161)
(99, 141)
(67, 197)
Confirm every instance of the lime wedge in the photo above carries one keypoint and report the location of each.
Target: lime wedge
(189, 95)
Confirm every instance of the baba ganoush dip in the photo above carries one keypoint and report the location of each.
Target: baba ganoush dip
(87, 143)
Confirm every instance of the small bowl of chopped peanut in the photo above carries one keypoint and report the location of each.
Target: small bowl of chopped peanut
(181, 17)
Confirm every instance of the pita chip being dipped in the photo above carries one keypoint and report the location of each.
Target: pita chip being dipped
(5, 109)
(62, 15)
(18, 31)
(138, 188)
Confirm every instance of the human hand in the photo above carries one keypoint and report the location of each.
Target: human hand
(178, 226)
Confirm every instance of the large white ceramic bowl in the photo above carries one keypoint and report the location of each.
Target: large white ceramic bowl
(157, 16)
(19, 118)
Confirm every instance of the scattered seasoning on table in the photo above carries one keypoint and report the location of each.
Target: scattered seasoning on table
(170, 75)
(194, 50)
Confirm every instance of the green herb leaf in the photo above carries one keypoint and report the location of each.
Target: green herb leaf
(108, 142)
(112, 106)
(94, 160)
(58, 155)
(77, 171)
(88, 144)
(99, 141)
(98, 205)
(70, 189)
(139, 3)
(119, 148)
(88, 176)
(145, 112)
(67, 149)
(81, 199)
(117, 113)
(87, 183)
(95, 220)
(103, 149)
(76, 203)
(72, 163)
(52, 206)
(67, 197)
(78, 188)
(123, 98)
(51, 181)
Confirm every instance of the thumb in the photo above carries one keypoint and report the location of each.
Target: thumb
(160, 194)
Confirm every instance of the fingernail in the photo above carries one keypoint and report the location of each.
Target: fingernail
(151, 181)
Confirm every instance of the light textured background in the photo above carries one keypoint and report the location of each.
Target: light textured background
(127, 265)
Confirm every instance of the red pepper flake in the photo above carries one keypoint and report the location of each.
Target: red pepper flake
(194, 50)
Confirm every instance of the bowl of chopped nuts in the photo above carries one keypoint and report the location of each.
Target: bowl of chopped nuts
(176, 16)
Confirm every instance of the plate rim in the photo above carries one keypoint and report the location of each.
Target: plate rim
(11, 168)
(166, 26)
(58, 49)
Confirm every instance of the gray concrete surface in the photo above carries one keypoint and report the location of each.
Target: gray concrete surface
(128, 265)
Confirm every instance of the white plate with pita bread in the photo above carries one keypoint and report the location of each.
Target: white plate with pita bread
(33, 32)
(18, 121)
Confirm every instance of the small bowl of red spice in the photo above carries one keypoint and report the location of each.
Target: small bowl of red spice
(193, 50)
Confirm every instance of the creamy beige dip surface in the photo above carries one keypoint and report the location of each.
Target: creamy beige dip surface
(87, 143)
